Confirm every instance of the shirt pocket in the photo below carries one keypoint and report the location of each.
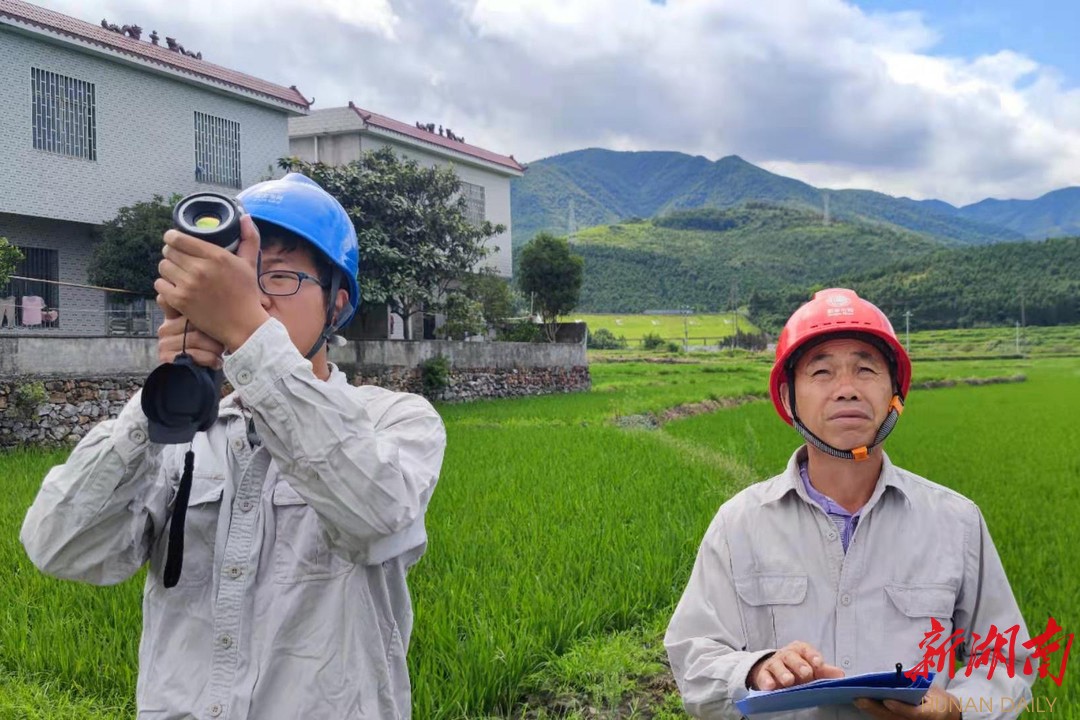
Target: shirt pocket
(773, 608)
(301, 549)
(910, 609)
(200, 532)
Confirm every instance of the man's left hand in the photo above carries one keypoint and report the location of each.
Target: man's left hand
(936, 705)
(213, 288)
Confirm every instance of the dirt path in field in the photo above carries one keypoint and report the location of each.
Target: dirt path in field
(653, 420)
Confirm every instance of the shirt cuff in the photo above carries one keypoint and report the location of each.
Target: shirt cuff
(264, 358)
(130, 432)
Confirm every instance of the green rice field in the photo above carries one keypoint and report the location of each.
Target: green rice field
(564, 528)
(701, 329)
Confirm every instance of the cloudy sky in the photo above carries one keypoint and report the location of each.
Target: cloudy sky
(952, 99)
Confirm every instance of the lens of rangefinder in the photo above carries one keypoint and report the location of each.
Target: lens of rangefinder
(209, 216)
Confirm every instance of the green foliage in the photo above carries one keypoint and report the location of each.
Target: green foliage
(435, 376)
(415, 240)
(652, 341)
(604, 339)
(606, 186)
(464, 317)
(9, 259)
(493, 293)
(521, 331)
(128, 250)
(550, 272)
(672, 347)
(962, 288)
(28, 397)
(654, 266)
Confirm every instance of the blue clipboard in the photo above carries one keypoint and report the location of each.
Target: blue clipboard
(841, 691)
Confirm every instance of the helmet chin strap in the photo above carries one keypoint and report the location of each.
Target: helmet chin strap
(330, 327)
(858, 454)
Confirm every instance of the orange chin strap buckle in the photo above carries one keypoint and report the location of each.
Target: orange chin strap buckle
(860, 453)
(897, 404)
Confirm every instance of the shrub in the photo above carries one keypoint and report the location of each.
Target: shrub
(28, 397)
(434, 376)
(652, 341)
(604, 339)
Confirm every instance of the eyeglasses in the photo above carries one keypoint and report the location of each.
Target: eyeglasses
(285, 282)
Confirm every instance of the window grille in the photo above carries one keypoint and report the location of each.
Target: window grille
(217, 150)
(63, 114)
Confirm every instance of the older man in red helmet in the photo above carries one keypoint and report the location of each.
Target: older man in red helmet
(843, 563)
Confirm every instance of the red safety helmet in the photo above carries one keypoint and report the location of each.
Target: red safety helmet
(836, 311)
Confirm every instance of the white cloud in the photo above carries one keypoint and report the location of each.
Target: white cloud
(817, 89)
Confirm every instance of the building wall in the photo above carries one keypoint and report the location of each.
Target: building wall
(342, 148)
(145, 136)
(82, 311)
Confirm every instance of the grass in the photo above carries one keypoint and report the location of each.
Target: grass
(559, 542)
(702, 329)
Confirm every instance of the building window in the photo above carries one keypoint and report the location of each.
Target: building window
(63, 115)
(217, 150)
(37, 296)
(474, 202)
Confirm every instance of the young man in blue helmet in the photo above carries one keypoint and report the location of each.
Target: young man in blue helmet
(308, 495)
(844, 563)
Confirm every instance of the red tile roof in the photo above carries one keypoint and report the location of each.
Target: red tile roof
(25, 13)
(386, 123)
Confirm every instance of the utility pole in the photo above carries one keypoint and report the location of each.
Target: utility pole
(735, 313)
(907, 330)
(1017, 337)
(686, 328)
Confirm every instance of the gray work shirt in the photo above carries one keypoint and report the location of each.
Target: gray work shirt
(292, 602)
(771, 570)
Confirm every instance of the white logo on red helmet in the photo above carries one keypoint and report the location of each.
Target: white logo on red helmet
(838, 300)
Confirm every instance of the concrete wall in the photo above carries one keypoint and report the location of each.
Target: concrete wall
(501, 355)
(122, 356)
(145, 135)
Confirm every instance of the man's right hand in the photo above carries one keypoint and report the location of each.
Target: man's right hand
(203, 349)
(793, 664)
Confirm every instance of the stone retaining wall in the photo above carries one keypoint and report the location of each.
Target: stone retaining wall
(74, 405)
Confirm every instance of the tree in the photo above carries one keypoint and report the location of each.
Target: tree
(549, 272)
(9, 258)
(493, 293)
(415, 239)
(129, 248)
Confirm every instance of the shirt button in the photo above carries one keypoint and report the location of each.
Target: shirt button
(238, 444)
(246, 505)
(215, 710)
(235, 571)
(845, 599)
(243, 377)
(226, 641)
(846, 662)
(832, 535)
(137, 436)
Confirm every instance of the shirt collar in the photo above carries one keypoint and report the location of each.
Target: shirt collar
(790, 481)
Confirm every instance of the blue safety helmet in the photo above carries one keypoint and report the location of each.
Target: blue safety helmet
(298, 204)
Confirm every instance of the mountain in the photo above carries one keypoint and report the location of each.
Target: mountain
(1055, 214)
(698, 257)
(607, 186)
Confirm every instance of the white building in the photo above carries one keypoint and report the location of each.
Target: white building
(336, 136)
(93, 119)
